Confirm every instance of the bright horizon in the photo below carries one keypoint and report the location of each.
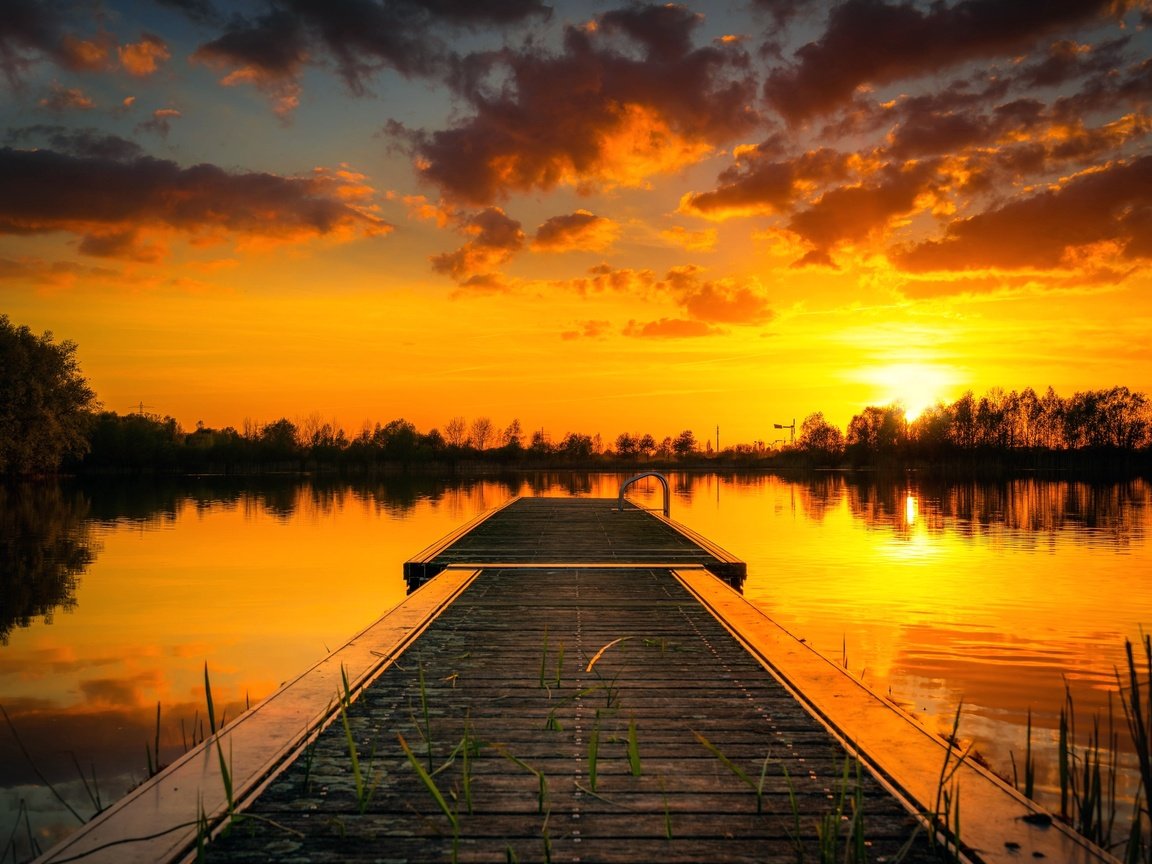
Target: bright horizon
(591, 217)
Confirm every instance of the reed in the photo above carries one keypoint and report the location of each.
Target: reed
(365, 789)
(544, 659)
(757, 786)
(594, 751)
(426, 732)
(633, 749)
(208, 698)
(667, 811)
(430, 785)
(945, 816)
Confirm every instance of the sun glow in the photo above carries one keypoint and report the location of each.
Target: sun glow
(915, 386)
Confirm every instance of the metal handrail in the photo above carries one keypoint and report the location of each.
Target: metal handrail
(663, 482)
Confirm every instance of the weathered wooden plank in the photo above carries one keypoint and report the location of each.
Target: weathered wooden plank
(573, 531)
(489, 684)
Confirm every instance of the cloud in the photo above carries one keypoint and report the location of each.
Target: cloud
(670, 328)
(1105, 211)
(87, 142)
(143, 58)
(871, 42)
(62, 98)
(603, 278)
(496, 237)
(111, 202)
(31, 30)
(851, 213)
(593, 115)
(761, 182)
(581, 230)
(363, 37)
(267, 53)
(160, 122)
(691, 241)
(54, 275)
(722, 301)
(588, 330)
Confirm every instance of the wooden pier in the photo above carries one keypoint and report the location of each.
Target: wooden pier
(574, 684)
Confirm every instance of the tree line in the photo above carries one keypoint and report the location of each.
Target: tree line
(50, 420)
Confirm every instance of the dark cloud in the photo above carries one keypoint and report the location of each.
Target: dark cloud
(1067, 60)
(31, 30)
(1106, 206)
(105, 200)
(496, 237)
(593, 115)
(851, 213)
(63, 99)
(361, 36)
(268, 52)
(784, 11)
(160, 122)
(201, 11)
(874, 42)
(759, 182)
(579, 230)
(91, 143)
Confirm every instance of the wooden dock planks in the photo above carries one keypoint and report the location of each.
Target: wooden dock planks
(506, 668)
(573, 531)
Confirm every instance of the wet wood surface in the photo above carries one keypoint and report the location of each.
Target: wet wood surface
(573, 714)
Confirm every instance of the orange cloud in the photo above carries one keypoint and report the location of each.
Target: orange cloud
(66, 99)
(588, 330)
(495, 239)
(143, 58)
(670, 328)
(592, 115)
(581, 230)
(690, 241)
(1109, 205)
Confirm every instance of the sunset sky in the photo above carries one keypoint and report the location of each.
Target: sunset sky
(596, 217)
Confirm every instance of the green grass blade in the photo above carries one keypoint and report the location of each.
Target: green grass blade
(429, 784)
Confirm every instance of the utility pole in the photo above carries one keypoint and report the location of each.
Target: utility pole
(717, 438)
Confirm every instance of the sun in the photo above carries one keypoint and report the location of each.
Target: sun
(915, 386)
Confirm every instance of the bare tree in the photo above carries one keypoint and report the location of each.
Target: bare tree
(482, 430)
(456, 432)
(512, 435)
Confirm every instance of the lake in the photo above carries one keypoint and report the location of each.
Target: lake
(114, 596)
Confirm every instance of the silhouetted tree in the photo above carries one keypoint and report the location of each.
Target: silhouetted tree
(822, 441)
(45, 402)
(539, 445)
(512, 435)
(482, 431)
(646, 446)
(684, 444)
(278, 441)
(456, 432)
(625, 445)
(875, 433)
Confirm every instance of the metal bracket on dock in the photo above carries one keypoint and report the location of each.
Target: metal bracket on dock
(663, 482)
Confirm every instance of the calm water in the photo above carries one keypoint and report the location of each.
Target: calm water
(114, 597)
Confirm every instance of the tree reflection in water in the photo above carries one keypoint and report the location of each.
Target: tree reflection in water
(46, 542)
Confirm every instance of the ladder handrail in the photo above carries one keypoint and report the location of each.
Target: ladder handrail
(663, 482)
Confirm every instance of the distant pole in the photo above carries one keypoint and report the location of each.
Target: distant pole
(717, 438)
